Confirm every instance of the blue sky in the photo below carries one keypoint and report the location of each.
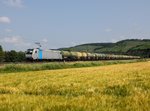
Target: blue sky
(64, 23)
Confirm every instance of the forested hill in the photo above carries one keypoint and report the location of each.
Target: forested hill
(129, 47)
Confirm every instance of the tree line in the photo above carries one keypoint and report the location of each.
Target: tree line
(11, 56)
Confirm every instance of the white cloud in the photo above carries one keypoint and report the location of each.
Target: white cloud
(108, 30)
(4, 19)
(8, 30)
(15, 40)
(12, 40)
(45, 40)
(114, 40)
(75, 43)
(13, 3)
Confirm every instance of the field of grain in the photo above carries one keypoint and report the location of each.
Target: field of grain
(121, 87)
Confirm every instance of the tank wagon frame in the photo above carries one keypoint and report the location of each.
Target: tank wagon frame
(39, 54)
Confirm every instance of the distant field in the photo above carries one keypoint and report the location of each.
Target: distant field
(121, 87)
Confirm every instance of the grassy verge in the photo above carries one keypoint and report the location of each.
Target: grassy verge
(8, 68)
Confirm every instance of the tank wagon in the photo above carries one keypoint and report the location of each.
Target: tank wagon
(39, 54)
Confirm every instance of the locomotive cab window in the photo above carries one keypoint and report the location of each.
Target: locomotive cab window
(29, 51)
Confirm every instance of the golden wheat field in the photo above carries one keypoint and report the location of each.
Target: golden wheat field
(121, 87)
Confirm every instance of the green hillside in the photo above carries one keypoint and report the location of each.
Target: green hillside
(129, 47)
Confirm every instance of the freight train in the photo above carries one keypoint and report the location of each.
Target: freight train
(39, 54)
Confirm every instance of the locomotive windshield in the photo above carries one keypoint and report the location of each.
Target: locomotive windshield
(29, 51)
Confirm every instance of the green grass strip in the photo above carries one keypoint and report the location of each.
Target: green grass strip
(9, 68)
